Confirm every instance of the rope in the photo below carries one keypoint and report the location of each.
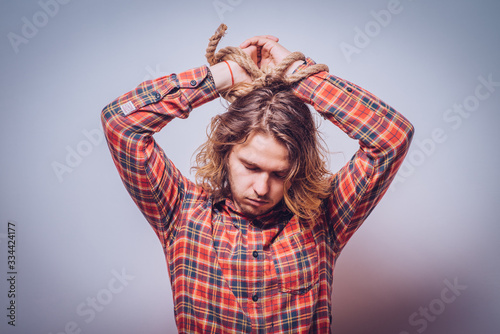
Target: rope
(261, 77)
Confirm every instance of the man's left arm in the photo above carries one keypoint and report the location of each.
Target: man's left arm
(384, 137)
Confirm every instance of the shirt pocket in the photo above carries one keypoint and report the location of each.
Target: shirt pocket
(296, 263)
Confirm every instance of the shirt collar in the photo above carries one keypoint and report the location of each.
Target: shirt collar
(280, 214)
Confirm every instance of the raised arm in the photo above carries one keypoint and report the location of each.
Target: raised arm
(130, 121)
(384, 137)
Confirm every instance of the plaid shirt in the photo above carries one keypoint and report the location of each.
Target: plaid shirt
(229, 273)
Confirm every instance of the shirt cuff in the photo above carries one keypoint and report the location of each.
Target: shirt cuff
(197, 86)
(305, 88)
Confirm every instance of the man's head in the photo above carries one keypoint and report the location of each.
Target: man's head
(257, 169)
(263, 150)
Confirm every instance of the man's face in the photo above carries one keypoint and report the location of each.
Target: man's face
(256, 173)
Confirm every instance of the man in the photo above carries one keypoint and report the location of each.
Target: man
(251, 247)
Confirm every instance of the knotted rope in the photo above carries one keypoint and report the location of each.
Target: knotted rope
(261, 77)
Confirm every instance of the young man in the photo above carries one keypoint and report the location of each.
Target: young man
(251, 247)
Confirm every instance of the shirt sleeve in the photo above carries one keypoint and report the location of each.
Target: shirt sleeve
(129, 122)
(384, 137)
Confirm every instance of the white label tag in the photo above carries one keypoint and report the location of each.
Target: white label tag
(128, 108)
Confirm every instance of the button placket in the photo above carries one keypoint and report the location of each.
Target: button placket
(255, 249)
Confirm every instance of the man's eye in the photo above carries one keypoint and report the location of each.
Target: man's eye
(280, 176)
(251, 168)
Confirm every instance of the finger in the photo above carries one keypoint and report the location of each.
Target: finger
(253, 52)
(264, 48)
(267, 48)
(259, 40)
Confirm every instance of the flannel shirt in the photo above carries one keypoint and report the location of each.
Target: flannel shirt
(234, 274)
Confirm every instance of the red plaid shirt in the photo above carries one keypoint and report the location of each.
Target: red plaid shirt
(231, 274)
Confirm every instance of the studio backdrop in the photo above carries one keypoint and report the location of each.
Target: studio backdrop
(77, 256)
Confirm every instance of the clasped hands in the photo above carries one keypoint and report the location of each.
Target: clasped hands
(264, 50)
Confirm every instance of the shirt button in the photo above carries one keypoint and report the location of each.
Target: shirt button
(349, 89)
(255, 254)
(157, 96)
(255, 297)
(193, 82)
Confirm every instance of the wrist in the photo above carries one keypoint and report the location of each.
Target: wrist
(222, 75)
(293, 67)
(228, 73)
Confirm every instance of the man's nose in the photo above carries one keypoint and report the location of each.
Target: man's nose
(261, 184)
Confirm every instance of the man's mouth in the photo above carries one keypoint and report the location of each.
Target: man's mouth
(257, 202)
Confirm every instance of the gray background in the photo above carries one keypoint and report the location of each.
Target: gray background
(77, 228)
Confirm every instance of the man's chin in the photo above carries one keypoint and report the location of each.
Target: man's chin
(253, 211)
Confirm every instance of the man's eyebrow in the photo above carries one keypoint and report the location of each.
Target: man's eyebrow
(248, 162)
(253, 164)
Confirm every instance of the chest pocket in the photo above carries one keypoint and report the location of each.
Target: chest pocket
(296, 262)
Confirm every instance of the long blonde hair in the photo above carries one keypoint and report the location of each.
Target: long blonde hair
(278, 112)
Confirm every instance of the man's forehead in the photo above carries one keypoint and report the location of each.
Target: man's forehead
(263, 150)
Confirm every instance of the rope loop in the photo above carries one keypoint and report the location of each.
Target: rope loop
(261, 77)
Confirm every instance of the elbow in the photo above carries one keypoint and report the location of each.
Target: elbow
(410, 131)
(109, 119)
(406, 137)
(106, 120)
(107, 113)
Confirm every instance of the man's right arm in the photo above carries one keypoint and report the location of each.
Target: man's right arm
(130, 121)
